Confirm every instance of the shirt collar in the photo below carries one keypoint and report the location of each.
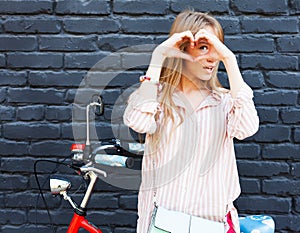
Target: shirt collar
(213, 99)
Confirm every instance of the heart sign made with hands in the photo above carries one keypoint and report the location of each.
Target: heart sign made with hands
(204, 42)
(177, 46)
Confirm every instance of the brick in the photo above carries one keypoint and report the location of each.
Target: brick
(265, 7)
(39, 96)
(104, 132)
(50, 148)
(25, 229)
(34, 60)
(26, 7)
(7, 113)
(113, 43)
(250, 44)
(221, 6)
(23, 164)
(76, 131)
(31, 113)
(254, 79)
(128, 202)
(67, 43)
(265, 204)
(124, 230)
(55, 79)
(87, 26)
(13, 182)
(295, 6)
(297, 135)
(230, 25)
(290, 115)
(15, 217)
(101, 61)
(289, 44)
(3, 94)
(59, 217)
(274, 62)
(87, 7)
(13, 148)
(28, 131)
(250, 185)
(2, 60)
(2, 201)
(21, 199)
(133, 60)
(140, 7)
(297, 204)
(281, 151)
(274, 98)
(283, 79)
(117, 218)
(70, 95)
(58, 113)
(262, 168)
(268, 115)
(265, 25)
(112, 79)
(247, 151)
(18, 43)
(281, 187)
(127, 134)
(287, 222)
(8, 78)
(146, 25)
(32, 25)
(273, 133)
(103, 201)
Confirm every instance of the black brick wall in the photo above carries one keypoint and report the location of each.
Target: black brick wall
(47, 47)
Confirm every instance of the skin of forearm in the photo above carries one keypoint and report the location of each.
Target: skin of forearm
(234, 75)
(155, 65)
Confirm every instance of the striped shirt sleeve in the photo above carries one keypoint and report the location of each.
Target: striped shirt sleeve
(142, 108)
(242, 117)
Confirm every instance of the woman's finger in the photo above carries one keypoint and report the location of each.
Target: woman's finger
(187, 34)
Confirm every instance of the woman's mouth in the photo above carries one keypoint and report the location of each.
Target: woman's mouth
(209, 69)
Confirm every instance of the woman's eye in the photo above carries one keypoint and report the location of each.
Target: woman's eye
(203, 48)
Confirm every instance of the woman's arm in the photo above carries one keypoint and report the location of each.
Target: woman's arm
(142, 104)
(222, 53)
(234, 75)
(241, 113)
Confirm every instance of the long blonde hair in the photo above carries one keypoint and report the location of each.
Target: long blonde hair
(172, 68)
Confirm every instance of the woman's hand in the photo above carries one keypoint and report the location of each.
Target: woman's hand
(217, 50)
(171, 46)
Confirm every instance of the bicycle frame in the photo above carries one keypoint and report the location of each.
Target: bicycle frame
(79, 222)
(60, 186)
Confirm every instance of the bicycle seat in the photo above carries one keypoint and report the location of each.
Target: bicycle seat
(257, 224)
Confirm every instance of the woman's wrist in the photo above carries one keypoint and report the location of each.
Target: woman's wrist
(155, 65)
(229, 58)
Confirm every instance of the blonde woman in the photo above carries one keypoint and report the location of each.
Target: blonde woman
(190, 121)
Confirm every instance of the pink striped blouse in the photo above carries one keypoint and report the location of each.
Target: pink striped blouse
(194, 164)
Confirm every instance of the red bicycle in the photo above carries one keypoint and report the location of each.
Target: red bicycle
(90, 161)
(90, 171)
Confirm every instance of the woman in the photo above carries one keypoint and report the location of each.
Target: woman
(190, 121)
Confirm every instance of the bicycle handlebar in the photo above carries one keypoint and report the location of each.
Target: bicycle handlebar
(114, 160)
(98, 156)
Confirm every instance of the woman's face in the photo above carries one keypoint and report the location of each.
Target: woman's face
(203, 68)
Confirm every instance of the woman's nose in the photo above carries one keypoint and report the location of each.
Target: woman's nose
(210, 60)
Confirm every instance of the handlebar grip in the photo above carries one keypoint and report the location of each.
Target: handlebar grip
(114, 160)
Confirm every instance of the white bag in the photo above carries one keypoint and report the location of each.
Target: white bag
(164, 220)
